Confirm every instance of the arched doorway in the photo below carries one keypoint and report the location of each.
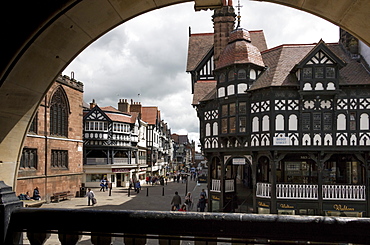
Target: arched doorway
(238, 180)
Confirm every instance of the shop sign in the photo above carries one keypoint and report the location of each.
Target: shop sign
(281, 141)
(340, 207)
(286, 206)
(344, 207)
(238, 161)
(263, 204)
(120, 170)
(215, 197)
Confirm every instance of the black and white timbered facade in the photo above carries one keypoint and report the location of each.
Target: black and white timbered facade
(110, 146)
(285, 130)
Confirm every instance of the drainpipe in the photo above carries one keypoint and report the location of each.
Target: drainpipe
(46, 147)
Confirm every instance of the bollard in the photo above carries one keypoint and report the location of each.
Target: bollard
(128, 193)
(162, 191)
(147, 192)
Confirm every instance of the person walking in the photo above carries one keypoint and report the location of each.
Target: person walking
(102, 185)
(189, 201)
(176, 201)
(137, 187)
(90, 197)
(201, 203)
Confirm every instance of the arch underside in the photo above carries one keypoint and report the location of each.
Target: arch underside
(43, 38)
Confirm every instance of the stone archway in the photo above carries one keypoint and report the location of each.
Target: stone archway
(41, 39)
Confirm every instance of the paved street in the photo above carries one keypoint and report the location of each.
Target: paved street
(149, 198)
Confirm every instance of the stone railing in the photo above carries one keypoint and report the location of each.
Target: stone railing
(142, 227)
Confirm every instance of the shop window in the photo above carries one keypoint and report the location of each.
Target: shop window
(300, 172)
(96, 177)
(306, 211)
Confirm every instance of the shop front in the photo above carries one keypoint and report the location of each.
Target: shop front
(344, 209)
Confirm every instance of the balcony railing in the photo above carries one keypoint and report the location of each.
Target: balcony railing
(294, 191)
(263, 190)
(344, 192)
(216, 185)
(163, 227)
(304, 191)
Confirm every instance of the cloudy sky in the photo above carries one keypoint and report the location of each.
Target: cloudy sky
(145, 58)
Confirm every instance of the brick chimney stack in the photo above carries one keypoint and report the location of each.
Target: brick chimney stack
(135, 106)
(123, 105)
(92, 104)
(223, 25)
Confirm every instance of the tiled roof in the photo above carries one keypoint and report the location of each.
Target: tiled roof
(149, 114)
(202, 89)
(240, 50)
(110, 108)
(201, 44)
(199, 47)
(282, 59)
(119, 117)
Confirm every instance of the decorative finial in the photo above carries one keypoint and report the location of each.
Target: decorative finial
(238, 6)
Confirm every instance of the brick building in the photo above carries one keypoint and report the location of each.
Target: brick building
(52, 153)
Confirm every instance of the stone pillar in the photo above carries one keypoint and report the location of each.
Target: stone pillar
(8, 202)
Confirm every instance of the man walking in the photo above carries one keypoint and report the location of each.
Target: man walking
(176, 200)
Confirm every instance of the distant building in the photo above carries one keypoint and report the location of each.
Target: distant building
(184, 152)
(285, 130)
(52, 153)
(124, 145)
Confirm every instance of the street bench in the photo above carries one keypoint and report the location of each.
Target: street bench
(64, 195)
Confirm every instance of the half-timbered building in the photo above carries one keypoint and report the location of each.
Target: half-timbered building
(124, 145)
(285, 130)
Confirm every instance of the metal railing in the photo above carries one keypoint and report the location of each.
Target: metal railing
(138, 226)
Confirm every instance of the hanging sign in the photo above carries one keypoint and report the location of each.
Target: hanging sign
(238, 161)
